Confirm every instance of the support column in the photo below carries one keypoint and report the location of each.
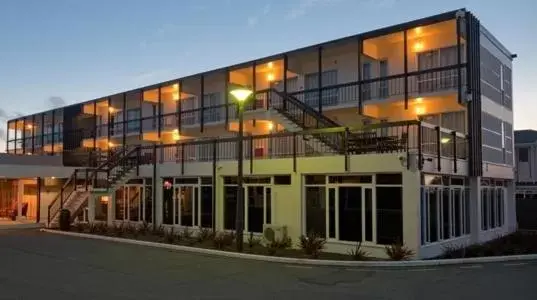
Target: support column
(510, 207)
(475, 208)
(111, 208)
(20, 195)
(157, 191)
(411, 210)
(91, 207)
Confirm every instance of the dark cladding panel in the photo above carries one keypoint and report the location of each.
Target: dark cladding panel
(473, 75)
(72, 136)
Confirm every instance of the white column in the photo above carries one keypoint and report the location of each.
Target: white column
(20, 196)
(111, 208)
(411, 210)
(475, 209)
(91, 207)
(510, 208)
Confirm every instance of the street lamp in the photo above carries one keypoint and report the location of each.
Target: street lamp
(241, 95)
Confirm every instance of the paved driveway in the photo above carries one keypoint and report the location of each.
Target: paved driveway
(40, 265)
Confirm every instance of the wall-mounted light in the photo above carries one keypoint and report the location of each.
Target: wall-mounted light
(270, 77)
(445, 140)
(175, 135)
(418, 46)
(110, 144)
(175, 87)
(419, 100)
(175, 96)
(270, 65)
(29, 126)
(420, 110)
(270, 126)
(111, 109)
(418, 30)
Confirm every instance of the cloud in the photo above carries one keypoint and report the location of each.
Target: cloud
(252, 21)
(55, 102)
(266, 9)
(304, 6)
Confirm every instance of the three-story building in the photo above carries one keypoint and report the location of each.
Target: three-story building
(399, 134)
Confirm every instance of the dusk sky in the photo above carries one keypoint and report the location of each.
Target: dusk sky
(82, 50)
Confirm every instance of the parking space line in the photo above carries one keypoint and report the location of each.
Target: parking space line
(471, 267)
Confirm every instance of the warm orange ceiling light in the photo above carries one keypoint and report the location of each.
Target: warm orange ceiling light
(419, 100)
(418, 46)
(29, 126)
(420, 110)
(270, 65)
(111, 109)
(176, 86)
(270, 77)
(418, 30)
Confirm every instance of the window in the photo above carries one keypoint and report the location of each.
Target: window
(523, 154)
(492, 207)
(188, 201)
(133, 120)
(383, 84)
(358, 210)
(315, 197)
(257, 206)
(445, 210)
(211, 111)
(436, 58)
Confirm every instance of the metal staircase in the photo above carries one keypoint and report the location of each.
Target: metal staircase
(307, 118)
(74, 194)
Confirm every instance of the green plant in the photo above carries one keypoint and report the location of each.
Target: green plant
(159, 231)
(279, 244)
(143, 229)
(170, 237)
(132, 230)
(398, 251)
(65, 220)
(102, 228)
(357, 253)
(93, 228)
(220, 240)
(312, 244)
(80, 227)
(253, 240)
(204, 234)
(118, 229)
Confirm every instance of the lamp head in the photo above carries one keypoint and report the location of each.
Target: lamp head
(241, 94)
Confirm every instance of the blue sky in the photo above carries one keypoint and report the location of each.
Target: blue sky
(81, 50)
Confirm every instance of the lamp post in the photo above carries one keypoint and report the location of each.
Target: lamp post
(241, 95)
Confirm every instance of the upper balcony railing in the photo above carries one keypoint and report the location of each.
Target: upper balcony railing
(418, 83)
(418, 138)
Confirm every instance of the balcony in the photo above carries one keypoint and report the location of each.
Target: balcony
(436, 149)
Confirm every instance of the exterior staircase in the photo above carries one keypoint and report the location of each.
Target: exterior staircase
(74, 194)
(297, 116)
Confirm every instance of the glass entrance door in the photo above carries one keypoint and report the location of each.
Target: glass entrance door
(186, 205)
(258, 207)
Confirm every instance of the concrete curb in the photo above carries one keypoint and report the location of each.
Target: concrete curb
(311, 262)
(21, 226)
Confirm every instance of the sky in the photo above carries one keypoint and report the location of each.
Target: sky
(58, 52)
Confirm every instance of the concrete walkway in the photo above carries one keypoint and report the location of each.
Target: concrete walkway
(49, 266)
(6, 224)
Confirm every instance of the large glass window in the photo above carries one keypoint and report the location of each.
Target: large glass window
(257, 203)
(492, 207)
(316, 210)
(360, 208)
(445, 210)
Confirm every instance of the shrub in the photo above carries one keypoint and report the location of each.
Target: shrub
(102, 228)
(220, 240)
(65, 220)
(159, 231)
(204, 234)
(118, 230)
(144, 228)
(312, 244)
(93, 228)
(279, 244)
(398, 251)
(253, 240)
(132, 230)
(81, 227)
(170, 237)
(358, 253)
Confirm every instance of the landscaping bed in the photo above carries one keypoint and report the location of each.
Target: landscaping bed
(310, 246)
(518, 243)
